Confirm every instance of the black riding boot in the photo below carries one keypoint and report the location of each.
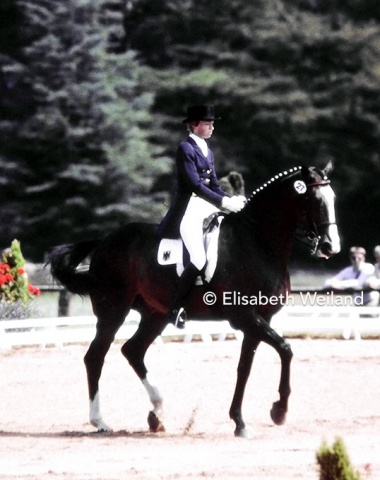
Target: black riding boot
(177, 314)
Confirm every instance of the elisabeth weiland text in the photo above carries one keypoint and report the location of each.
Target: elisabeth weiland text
(305, 298)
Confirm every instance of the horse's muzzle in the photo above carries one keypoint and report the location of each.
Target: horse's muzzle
(328, 245)
(325, 250)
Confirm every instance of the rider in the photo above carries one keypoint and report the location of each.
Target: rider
(198, 196)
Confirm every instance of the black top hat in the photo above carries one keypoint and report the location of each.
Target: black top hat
(200, 112)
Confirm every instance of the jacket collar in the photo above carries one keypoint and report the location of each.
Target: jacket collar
(197, 146)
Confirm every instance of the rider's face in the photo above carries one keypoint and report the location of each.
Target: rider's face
(204, 128)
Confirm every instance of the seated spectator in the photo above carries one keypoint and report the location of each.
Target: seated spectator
(355, 277)
(374, 281)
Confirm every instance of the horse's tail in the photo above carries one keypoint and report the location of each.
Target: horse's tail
(64, 260)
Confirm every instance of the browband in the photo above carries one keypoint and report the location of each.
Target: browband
(322, 182)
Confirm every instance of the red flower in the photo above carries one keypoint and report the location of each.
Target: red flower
(5, 278)
(21, 271)
(4, 268)
(33, 290)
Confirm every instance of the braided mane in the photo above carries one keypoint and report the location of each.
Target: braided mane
(279, 176)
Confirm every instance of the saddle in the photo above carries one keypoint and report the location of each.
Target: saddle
(172, 250)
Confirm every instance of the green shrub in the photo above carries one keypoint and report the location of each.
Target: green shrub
(334, 462)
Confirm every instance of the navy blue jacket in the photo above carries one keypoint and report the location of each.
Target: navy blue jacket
(195, 174)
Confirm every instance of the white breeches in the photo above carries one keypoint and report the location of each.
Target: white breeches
(191, 229)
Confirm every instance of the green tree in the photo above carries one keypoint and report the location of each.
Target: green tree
(96, 91)
(296, 83)
(79, 151)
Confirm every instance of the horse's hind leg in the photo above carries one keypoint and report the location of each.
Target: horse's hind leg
(134, 351)
(106, 328)
(94, 360)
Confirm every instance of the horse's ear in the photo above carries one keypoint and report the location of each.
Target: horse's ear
(305, 171)
(328, 168)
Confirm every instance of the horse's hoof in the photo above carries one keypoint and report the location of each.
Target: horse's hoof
(242, 433)
(105, 430)
(101, 427)
(155, 424)
(278, 414)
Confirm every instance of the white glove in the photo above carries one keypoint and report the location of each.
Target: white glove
(233, 204)
(242, 198)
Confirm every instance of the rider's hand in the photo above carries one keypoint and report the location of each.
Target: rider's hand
(233, 204)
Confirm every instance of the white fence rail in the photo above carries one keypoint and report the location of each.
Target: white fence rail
(345, 322)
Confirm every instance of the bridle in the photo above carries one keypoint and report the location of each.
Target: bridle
(311, 233)
(306, 232)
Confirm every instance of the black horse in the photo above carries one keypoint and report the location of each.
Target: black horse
(251, 273)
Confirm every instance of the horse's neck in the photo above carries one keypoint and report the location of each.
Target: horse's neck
(272, 222)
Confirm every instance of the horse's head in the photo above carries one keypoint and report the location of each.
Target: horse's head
(316, 219)
(297, 201)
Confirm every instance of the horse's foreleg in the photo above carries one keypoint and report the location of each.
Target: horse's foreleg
(247, 354)
(280, 408)
(282, 347)
(134, 351)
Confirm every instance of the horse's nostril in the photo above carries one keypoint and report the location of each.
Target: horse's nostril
(326, 249)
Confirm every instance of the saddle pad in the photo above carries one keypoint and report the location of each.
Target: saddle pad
(170, 251)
